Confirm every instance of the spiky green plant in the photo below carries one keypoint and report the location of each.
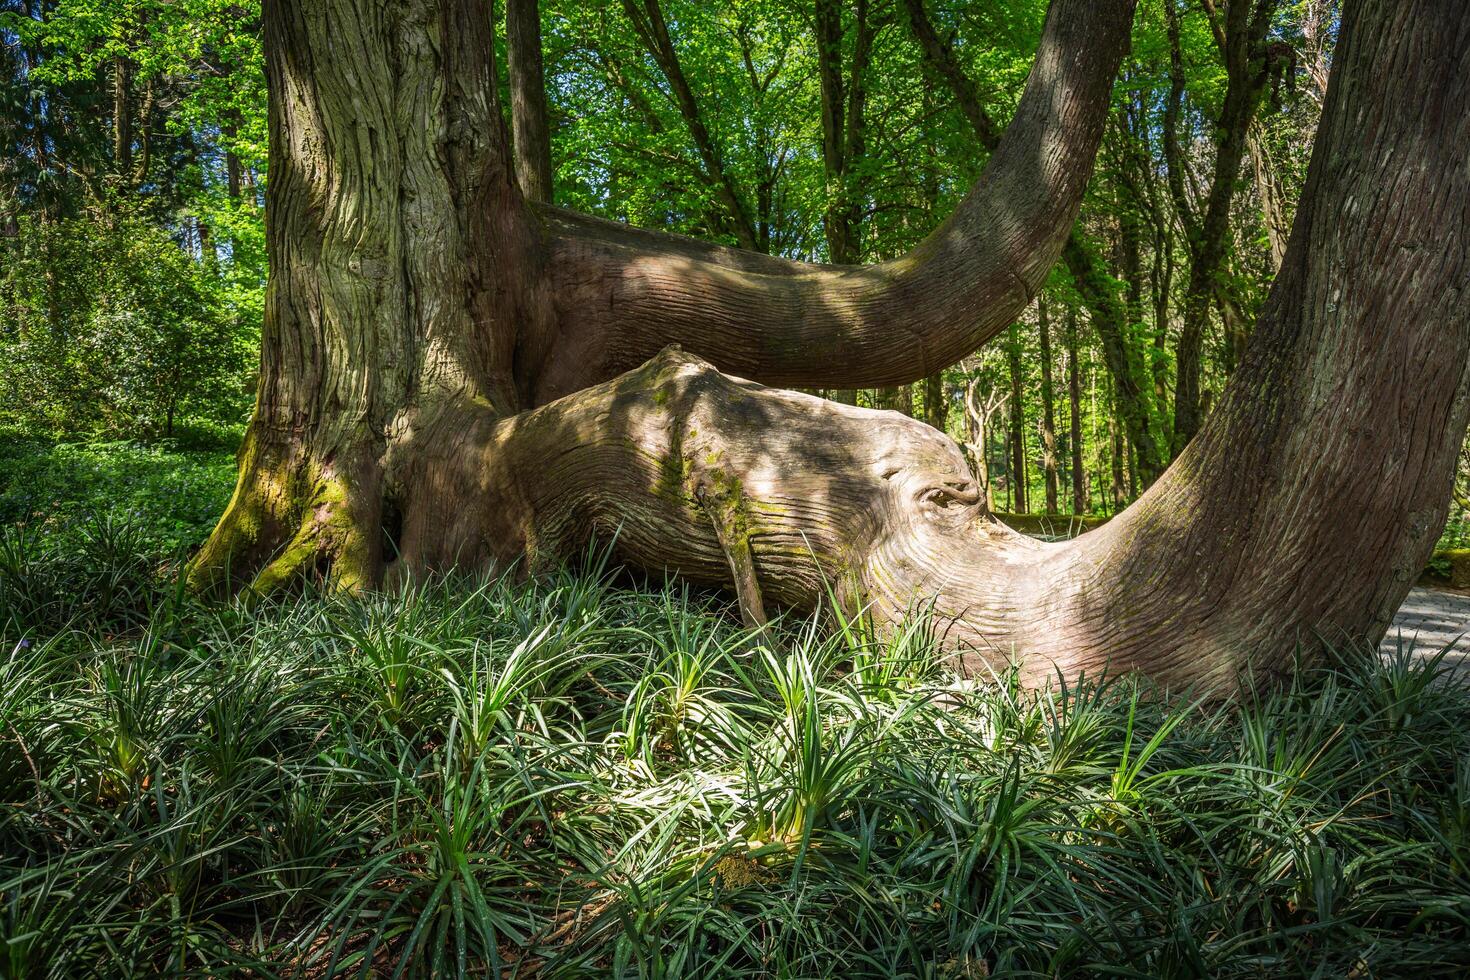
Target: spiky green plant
(564, 776)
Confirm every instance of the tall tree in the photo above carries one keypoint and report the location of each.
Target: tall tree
(468, 377)
(1249, 61)
(647, 18)
(1074, 404)
(1016, 412)
(529, 127)
(1048, 408)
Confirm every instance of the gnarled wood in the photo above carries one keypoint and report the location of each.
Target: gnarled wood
(1300, 515)
(409, 331)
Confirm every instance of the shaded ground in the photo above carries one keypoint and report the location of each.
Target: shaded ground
(1431, 620)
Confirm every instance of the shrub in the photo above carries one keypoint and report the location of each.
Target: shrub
(107, 327)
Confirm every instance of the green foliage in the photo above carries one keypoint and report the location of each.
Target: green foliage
(174, 496)
(111, 329)
(89, 535)
(565, 778)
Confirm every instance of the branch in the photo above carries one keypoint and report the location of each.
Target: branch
(532, 139)
(623, 294)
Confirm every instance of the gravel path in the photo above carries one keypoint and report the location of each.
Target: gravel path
(1432, 620)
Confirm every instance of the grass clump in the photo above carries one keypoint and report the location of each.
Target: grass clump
(91, 535)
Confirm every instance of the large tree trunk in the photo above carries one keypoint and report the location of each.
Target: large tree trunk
(410, 340)
(403, 260)
(410, 279)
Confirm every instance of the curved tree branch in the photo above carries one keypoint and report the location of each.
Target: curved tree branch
(624, 294)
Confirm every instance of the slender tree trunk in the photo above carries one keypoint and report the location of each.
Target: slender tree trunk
(122, 118)
(1115, 460)
(1242, 43)
(936, 411)
(844, 125)
(844, 143)
(1074, 398)
(648, 21)
(1269, 192)
(896, 399)
(232, 173)
(1017, 413)
(1048, 409)
(978, 413)
(530, 131)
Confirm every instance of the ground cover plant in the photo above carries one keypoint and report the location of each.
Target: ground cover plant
(578, 775)
(89, 533)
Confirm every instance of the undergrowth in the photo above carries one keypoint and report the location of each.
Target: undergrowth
(569, 777)
(582, 776)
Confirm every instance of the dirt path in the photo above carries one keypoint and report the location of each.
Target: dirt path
(1431, 620)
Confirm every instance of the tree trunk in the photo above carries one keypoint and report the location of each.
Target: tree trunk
(978, 412)
(402, 264)
(1017, 413)
(1243, 48)
(844, 125)
(412, 323)
(1048, 410)
(1074, 398)
(529, 129)
(1118, 447)
(647, 17)
(1269, 192)
(122, 119)
(936, 411)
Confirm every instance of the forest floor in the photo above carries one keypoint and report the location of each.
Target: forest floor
(580, 775)
(1432, 619)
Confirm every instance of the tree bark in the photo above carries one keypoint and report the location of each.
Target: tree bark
(531, 135)
(1269, 192)
(1118, 447)
(978, 412)
(844, 125)
(402, 264)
